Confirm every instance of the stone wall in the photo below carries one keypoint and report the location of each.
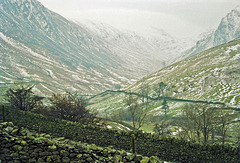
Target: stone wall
(21, 145)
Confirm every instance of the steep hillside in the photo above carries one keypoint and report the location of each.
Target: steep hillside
(41, 47)
(212, 75)
(228, 29)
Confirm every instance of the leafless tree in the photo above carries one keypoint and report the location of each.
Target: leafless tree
(224, 118)
(137, 111)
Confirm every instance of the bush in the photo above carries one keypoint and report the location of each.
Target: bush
(23, 98)
(71, 107)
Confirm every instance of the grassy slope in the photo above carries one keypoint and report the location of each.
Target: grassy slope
(212, 75)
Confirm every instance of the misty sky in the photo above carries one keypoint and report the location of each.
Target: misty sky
(179, 18)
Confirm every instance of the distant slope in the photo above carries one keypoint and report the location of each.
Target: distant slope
(212, 75)
(227, 30)
(151, 51)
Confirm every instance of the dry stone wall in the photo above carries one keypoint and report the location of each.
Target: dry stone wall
(21, 145)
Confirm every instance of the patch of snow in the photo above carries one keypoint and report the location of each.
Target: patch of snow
(236, 57)
(76, 77)
(36, 90)
(46, 88)
(23, 47)
(233, 48)
(50, 72)
(22, 71)
(119, 128)
(122, 126)
(7, 39)
(233, 100)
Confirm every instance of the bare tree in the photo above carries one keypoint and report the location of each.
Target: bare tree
(137, 111)
(224, 118)
(162, 128)
(190, 123)
(197, 120)
(207, 117)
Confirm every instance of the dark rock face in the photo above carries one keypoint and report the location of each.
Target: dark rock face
(20, 147)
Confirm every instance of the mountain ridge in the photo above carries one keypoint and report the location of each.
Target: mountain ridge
(227, 30)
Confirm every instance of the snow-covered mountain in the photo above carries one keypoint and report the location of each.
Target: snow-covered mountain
(41, 47)
(153, 49)
(228, 29)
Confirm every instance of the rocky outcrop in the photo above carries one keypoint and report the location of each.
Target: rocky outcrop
(21, 145)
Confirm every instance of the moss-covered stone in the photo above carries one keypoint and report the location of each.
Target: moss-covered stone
(40, 160)
(56, 158)
(64, 153)
(93, 147)
(79, 156)
(45, 153)
(49, 159)
(77, 161)
(25, 132)
(14, 155)
(5, 150)
(39, 140)
(105, 152)
(123, 153)
(59, 139)
(38, 150)
(4, 124)
(73, 155)
(55, 152)
(34, 154)
(8, 129)
(23, 142)
(15, 132)
(89, 159)
(138, 158)
(53, 147)
(117, 158)
(23, 153)
(32, 160)
(48, 136)
(17, 147)
(145, 160)
(130, 156)
(7, 145)
(25, 148)
(85, 155)
(154, 159)
(65, 160)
